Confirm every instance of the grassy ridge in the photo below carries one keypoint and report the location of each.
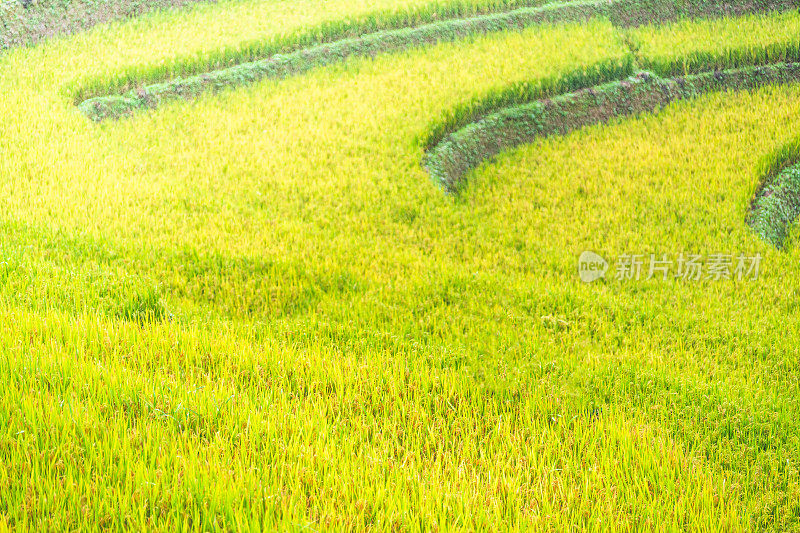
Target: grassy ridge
(775, 205)
(621, 12)
(451, 160)
(673, 50)
(350, 30)
(282, 66)
(451, 155)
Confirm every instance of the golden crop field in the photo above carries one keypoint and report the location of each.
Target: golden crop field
(321, 265)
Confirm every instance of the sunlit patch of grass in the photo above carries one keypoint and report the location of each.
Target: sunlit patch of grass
(304, 430)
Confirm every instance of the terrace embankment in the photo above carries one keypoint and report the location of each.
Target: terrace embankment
(776, 204)
(334, 45)
(454, 156)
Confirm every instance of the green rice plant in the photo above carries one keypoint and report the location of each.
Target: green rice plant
(143, 307)
(685, 48)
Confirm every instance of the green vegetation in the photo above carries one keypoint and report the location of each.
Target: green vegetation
(327, 26)
(256, 310)
(677, 49)
(776, 206)
(465, 149)
(300, 60)
(282, 66)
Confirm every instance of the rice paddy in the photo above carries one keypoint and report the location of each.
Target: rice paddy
(254, 308)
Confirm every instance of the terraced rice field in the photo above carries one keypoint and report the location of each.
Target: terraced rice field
(321, 265)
